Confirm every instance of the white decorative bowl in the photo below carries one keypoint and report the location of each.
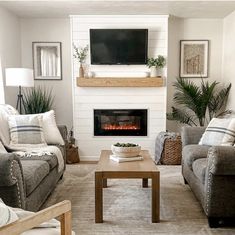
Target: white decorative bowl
(126, 151)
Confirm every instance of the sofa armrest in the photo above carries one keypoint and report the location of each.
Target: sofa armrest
(64, 132)
(221, 160)
(7, 163)
(191, 135)
(12, 189)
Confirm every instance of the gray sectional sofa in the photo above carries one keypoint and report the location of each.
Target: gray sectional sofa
(27, 182)
(210, 173)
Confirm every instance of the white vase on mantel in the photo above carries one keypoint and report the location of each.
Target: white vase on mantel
(159, 72)
(153, 72)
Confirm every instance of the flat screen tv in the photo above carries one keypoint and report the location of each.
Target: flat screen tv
(119, 46)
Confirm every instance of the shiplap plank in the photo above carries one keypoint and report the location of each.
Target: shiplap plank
(89, 114)
(120, 91)
(118, 20)
(158, 26)
(120, 99)
(155, 106)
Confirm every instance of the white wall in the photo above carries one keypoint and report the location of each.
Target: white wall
(175, 31)
(49, 30)
(228, 72)
(86, 99)
(212, 30)
(2, 93)
(180, 29)
(10, 49)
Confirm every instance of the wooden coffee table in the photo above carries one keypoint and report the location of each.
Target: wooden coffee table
(108, 169)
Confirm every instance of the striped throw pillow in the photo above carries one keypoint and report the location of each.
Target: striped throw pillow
(219, 132)
(26, 129)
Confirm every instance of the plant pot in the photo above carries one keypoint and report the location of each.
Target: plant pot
(153, 72)
(159, 72)
(81, 71)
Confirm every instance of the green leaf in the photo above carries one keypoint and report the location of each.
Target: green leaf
(198, 103)
(38, 100)
(182, 116)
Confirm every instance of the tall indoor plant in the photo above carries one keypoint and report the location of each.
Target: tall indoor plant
(198, 104)
(38, 100)
(80, 53)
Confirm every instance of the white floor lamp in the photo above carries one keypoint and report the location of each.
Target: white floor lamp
(19, 77)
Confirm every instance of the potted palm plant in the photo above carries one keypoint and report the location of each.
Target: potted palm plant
(80, 53)
(196, 105)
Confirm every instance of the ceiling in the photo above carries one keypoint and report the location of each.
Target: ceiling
(61, 9)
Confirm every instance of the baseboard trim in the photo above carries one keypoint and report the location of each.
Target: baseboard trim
(89, 158)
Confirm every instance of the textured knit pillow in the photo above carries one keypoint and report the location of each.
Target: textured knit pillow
(50, 129)
(26, 129)
(219, 132)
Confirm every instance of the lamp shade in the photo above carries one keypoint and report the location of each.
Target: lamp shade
(19, 77)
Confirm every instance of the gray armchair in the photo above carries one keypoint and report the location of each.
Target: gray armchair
(210, 173)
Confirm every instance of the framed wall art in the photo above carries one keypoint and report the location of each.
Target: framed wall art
(47, 61)
(194, 56)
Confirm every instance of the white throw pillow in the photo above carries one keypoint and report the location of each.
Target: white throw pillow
(2, 148)
(219, 132)
(5, 111)
(26, 129)
(50, 129)
(7, 215)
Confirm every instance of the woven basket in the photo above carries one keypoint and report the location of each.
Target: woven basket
(172, 151)
(72, 154)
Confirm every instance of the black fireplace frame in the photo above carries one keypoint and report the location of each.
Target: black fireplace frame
(98, 131)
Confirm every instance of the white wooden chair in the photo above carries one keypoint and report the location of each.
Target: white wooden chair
(61, 210)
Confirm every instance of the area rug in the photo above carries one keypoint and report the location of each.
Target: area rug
(127, 206)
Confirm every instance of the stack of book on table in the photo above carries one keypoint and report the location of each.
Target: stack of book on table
(125, 159)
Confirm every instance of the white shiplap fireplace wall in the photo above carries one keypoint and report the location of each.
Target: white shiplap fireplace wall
(86, 99)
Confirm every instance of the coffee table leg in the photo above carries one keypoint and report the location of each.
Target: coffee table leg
(145, 183)
(156, 197)
(105, 185)
(98, 197)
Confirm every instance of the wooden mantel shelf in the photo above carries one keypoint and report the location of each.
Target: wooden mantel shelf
(120, 82)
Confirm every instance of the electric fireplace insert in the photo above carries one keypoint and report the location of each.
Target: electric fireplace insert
(120, 122)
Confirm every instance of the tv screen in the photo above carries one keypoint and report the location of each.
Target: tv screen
(119, 46)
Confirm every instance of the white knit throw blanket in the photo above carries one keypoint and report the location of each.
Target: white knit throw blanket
(40, 151)
(53, 223)
(7, 215)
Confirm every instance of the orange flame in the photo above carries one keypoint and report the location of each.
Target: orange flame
(122, 127)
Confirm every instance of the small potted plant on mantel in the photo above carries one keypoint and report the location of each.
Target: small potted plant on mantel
(161, 62)
(156, 65)
(80, 53)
